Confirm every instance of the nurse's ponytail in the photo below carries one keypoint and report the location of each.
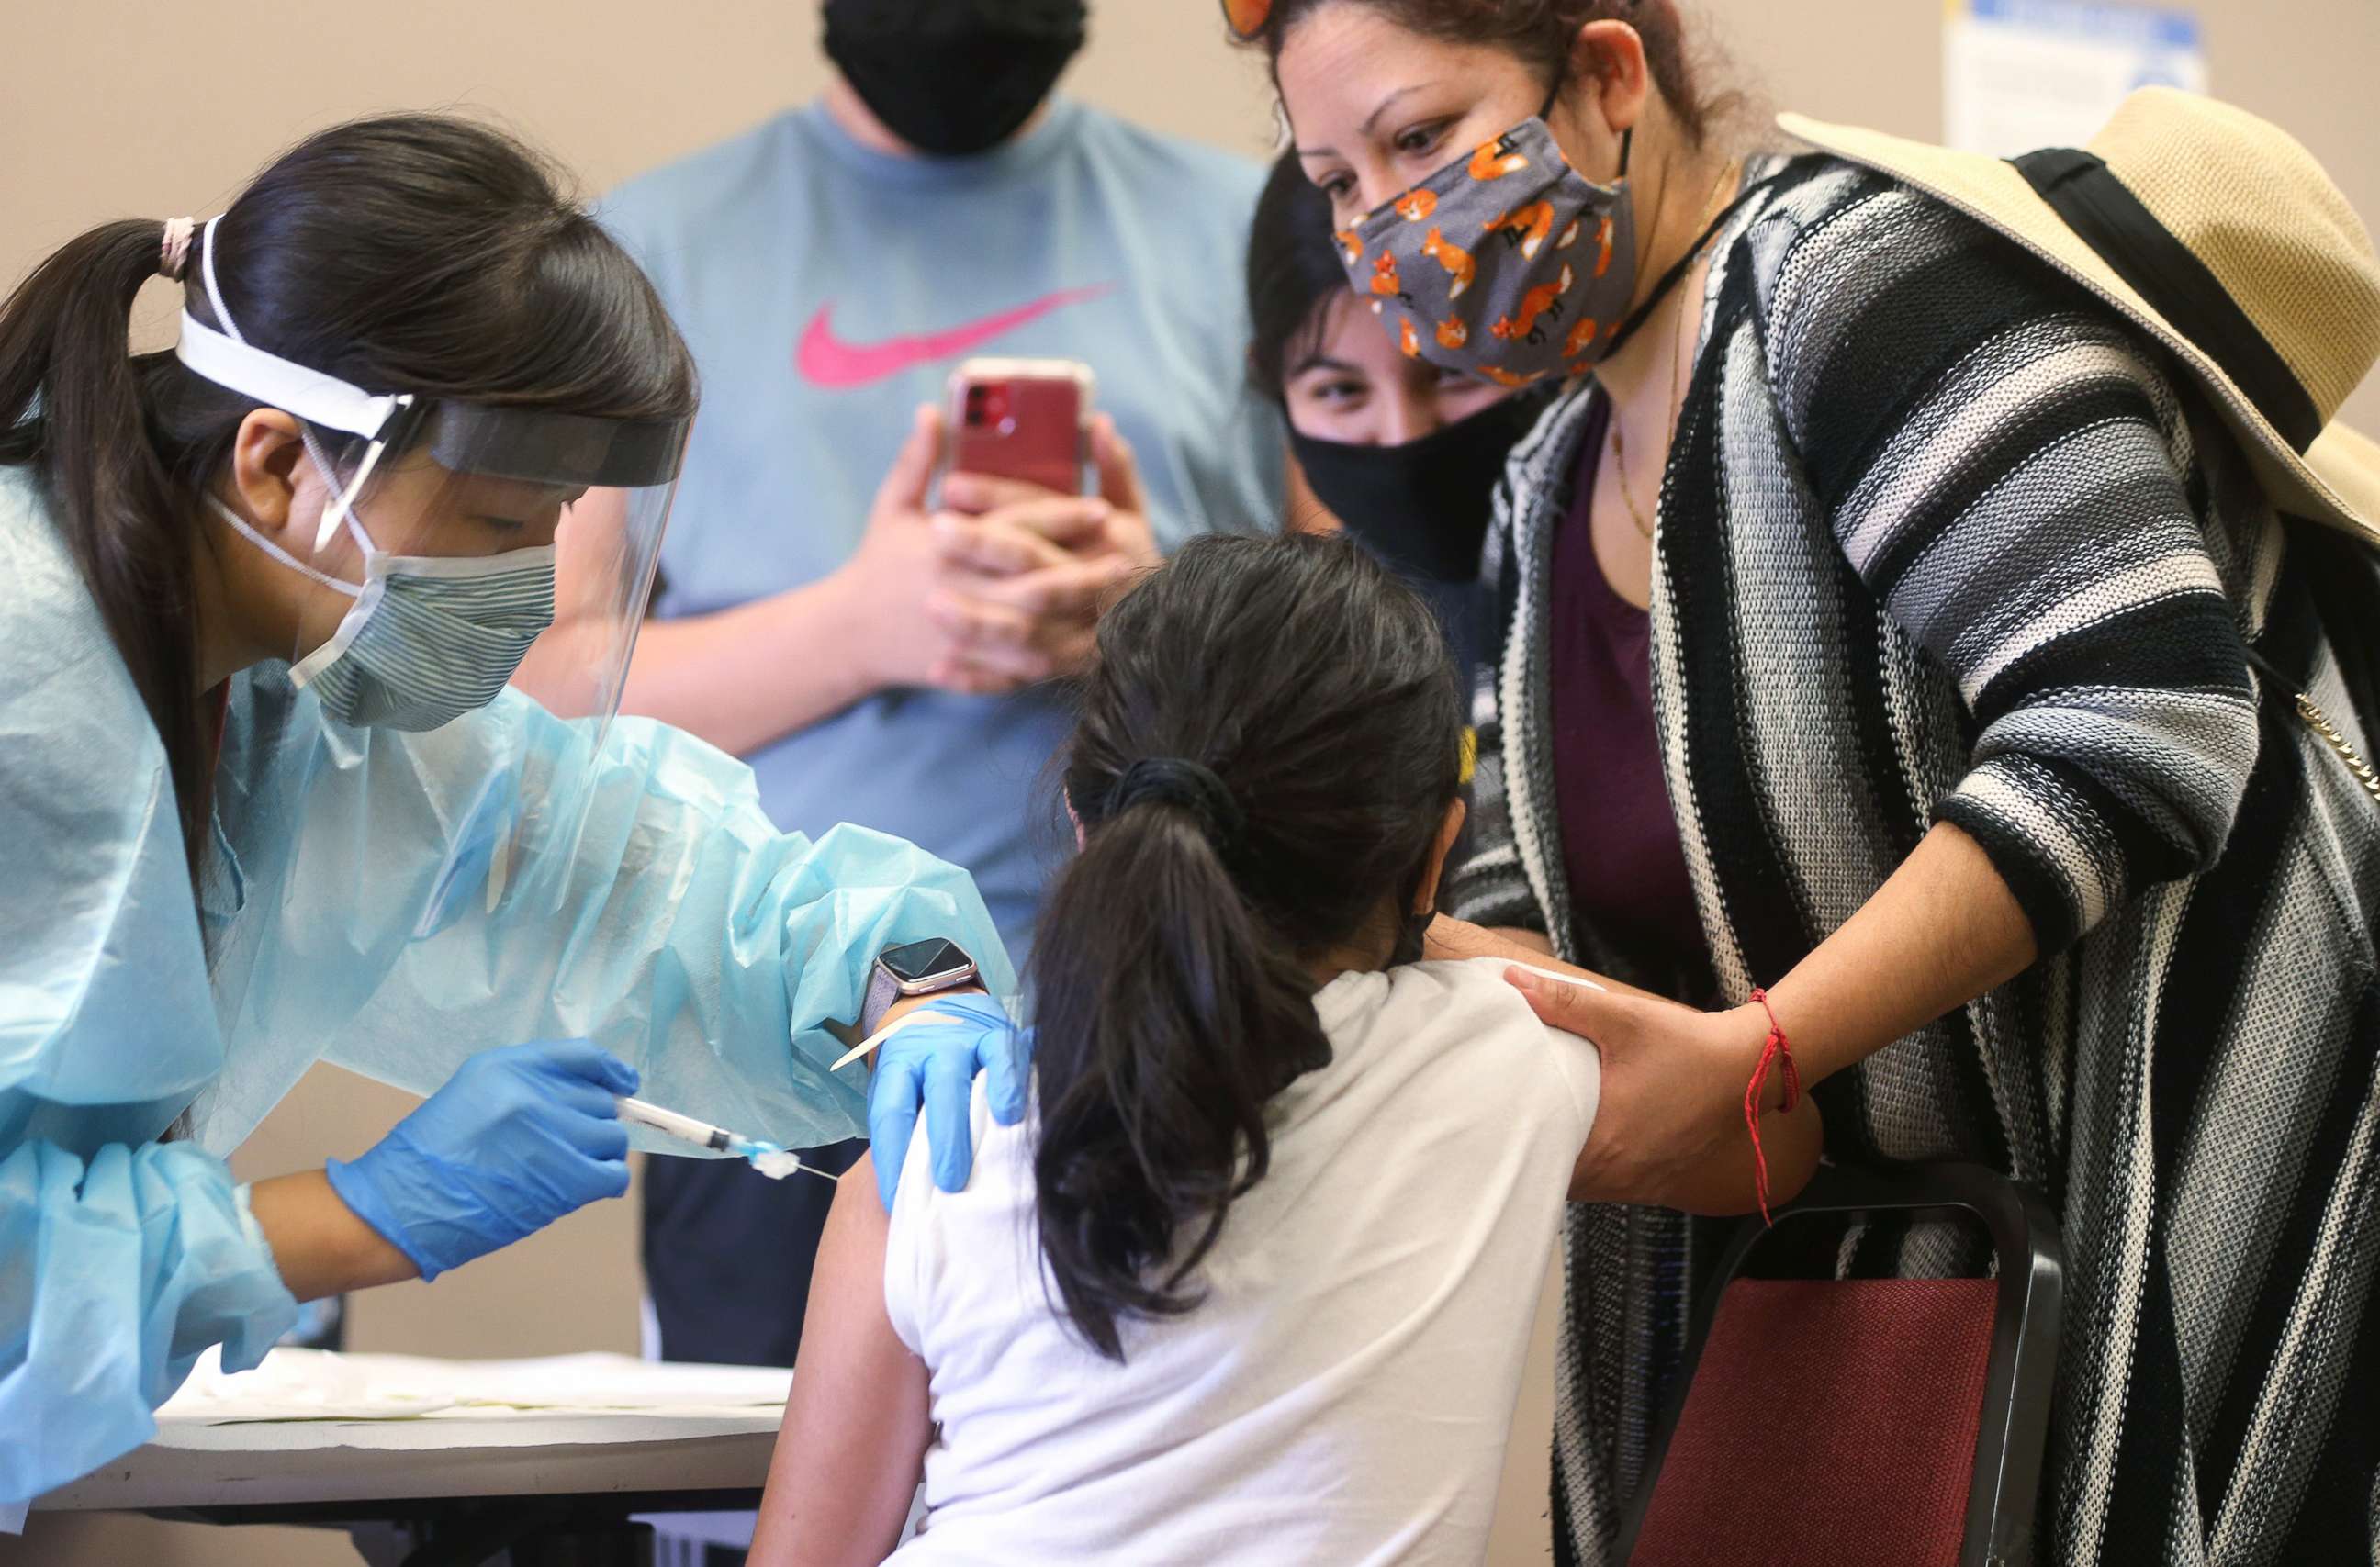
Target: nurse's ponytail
(411, 253)
(1270, 739)
(72, 400)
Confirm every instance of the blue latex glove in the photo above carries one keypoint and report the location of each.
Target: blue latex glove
(517, 1139)
(936, 1063)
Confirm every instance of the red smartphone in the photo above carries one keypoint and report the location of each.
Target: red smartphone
(1028, 419)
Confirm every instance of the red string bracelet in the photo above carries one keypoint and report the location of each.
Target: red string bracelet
(1775, 1049)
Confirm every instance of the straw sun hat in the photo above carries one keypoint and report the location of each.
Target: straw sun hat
(2218, 235)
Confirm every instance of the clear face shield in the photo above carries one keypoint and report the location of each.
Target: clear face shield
(473, 543)
(446, 548)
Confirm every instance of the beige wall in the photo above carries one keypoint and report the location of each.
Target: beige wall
(115, 108)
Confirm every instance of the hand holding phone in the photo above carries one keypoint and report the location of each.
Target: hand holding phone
(1025, 551)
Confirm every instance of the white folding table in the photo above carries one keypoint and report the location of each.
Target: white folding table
(450, 1464)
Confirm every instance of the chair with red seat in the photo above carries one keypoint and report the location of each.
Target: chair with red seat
(1862, 1420)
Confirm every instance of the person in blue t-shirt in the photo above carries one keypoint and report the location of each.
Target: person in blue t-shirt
(876, 658)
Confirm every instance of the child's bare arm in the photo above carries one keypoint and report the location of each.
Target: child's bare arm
(857, 1425)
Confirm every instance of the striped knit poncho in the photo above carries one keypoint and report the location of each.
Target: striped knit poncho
(1940, 540)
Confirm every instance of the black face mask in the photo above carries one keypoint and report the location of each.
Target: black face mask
(1423, 507)
(953, 77)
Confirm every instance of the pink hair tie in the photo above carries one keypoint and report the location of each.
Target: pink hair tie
(174, 254)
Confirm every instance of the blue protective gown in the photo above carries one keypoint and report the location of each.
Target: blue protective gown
(644, 900)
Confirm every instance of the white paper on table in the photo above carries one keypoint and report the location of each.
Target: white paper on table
(309, 1384)
(296, 1384)
(2023, 74)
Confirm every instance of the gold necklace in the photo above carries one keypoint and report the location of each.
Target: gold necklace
(1644, 524)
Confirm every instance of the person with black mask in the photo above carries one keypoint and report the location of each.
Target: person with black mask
(879, 640)
(1402, 454)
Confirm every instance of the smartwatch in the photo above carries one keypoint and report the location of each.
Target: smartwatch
(920, 968)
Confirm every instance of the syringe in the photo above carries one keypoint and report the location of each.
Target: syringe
(769, 1158)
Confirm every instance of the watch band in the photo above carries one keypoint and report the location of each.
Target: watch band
(882, 991)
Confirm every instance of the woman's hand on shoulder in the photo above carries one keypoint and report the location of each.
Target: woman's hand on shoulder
(1670, 1127)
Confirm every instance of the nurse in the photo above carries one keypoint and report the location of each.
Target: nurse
(267, 798)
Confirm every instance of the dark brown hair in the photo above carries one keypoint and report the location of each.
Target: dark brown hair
(1539, 34)
(1294, 272)
(411, 253)
(1313, 695)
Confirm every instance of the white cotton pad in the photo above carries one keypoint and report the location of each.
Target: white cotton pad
(776, 1166)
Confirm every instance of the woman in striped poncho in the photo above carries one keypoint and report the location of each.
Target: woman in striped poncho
(1883, 625)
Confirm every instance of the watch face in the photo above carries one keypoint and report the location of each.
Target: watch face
(921, 961)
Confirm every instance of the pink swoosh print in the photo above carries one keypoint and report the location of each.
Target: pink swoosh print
(825, 360)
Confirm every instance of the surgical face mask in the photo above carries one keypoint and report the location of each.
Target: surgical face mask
(1507, 264)
(1423, 507)
(953, 77)
(430, 637)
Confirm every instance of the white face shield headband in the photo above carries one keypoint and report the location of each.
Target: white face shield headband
(230, 360)
(526, 445)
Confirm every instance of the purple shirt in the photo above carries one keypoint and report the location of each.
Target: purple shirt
(1621, 851)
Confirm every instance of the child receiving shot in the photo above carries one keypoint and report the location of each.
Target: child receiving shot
(1253, 1283)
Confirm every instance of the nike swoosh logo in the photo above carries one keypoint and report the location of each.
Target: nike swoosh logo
(825, 360)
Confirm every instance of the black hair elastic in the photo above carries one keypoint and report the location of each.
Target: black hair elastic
(1177, 780)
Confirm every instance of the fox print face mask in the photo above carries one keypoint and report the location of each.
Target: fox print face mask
(1507, 265)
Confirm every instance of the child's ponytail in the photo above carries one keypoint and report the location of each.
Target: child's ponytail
(1270, 741)
(1168, 1020)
